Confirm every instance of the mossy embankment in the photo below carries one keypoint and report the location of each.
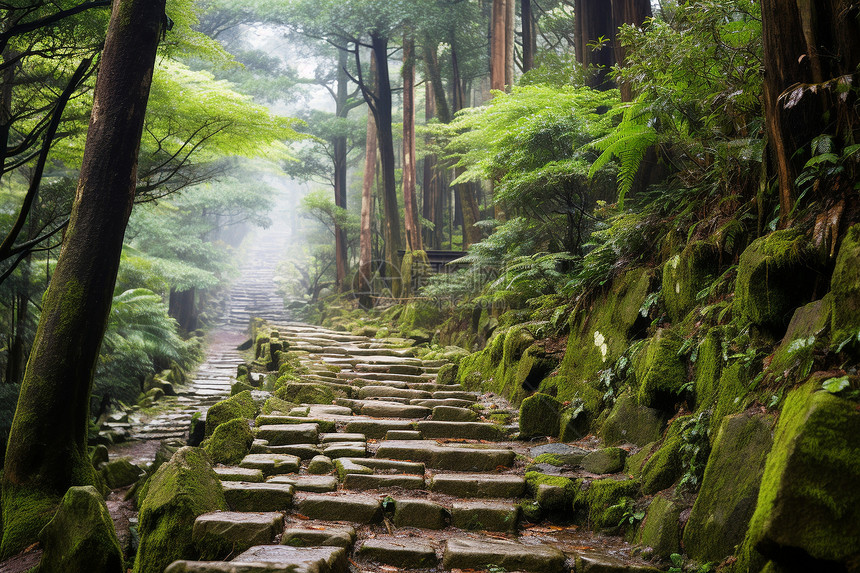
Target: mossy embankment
(728, 370)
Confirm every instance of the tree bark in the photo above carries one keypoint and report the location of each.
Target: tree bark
(497, 45)
(510, 30)
(413, 230)
(339, 152)
(633, 12)
(808, 43)
(365, 250)
(529, 36)
(47, 450)
(382, 115)
(594, 21)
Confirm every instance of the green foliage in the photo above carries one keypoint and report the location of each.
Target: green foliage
(139, 336)
(695, 449)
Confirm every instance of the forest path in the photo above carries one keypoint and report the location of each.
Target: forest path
(252, 294)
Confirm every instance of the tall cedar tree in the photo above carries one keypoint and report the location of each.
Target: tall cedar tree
(47, 450)
(811, 54)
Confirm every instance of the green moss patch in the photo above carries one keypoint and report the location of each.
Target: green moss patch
(239, 406)
(776, 274)
(603, 502)
(630, 423)
(729, 489)
(660, 372)
(540, 415)
(845, 288)
(687, 273)
(660, 532)
(230, 442)
(809, 506)
(181, 489)
(81, 536)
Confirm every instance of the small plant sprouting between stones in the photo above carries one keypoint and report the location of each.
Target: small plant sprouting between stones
(695, 448)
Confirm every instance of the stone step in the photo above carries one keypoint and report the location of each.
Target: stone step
(339, 507)
(271, 464)
(476, 553)
(379, 376)
(381, 481)
(376, 429)
(478, 485)
(221, 533)
(368, 466)
(232, 473)
(333, 536)
(250, 496)
(314, 484)
(447, 457)
(390, 392)
(463, 430)
(485, 515)
(411, 553)
(288, 434)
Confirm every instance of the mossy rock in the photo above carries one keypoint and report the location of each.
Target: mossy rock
(604, 461)
(99, 455)
(806, 332)
(121, 473)
(603, 502)
(230, 442)
(536, 480)
(664, 467)
(241, 405)
(660, 532)
(734, 395)
(776, 274)
(660, 372)
(305, 393)
(238, 387)
(275, 404)
(81, 536)
(447, 374)
(630, 423)
(708, 367)
(574, 424)
(730, 487)
(687, 273)
(808, 507)
(540, 415)
(182, 489)
(845, 288)
(599, 335)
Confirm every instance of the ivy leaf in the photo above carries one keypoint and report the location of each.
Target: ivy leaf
(835, 385)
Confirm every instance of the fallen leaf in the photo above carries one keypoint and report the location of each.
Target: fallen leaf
(300, 516)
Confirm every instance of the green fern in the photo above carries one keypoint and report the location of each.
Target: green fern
(628, 142)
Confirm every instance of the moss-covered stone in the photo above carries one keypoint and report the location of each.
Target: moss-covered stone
(806, 332)
(776, 274)
(182, 489)
(556, 492)
(708, 367)
(275, 404)
(660, 532)
(121, 473)
(845, 288)
(599, 335)
(660, 372)
(305, 393)
(733, 393)
(230, 442)
(574, 424)
(603, 502)
(687, 273)
(447, 374)
(81, 536)
(630, 423)
(664, 466)
(241, 405)
(808, 507)
(729, 489)
(540, 415)
(604, 461)
(239, 386)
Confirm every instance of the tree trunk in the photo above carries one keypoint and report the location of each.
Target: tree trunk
(529, 35)
(413, 229)
(182, 307)
(497, 44)
(633, 12)
(594, 21)
(365, 251)
(339, 153)
(47, 450)
(434, 75)
(807, 42)
(510, 31)
(382, 115)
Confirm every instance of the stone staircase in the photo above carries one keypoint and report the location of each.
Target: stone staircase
(401, 473)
